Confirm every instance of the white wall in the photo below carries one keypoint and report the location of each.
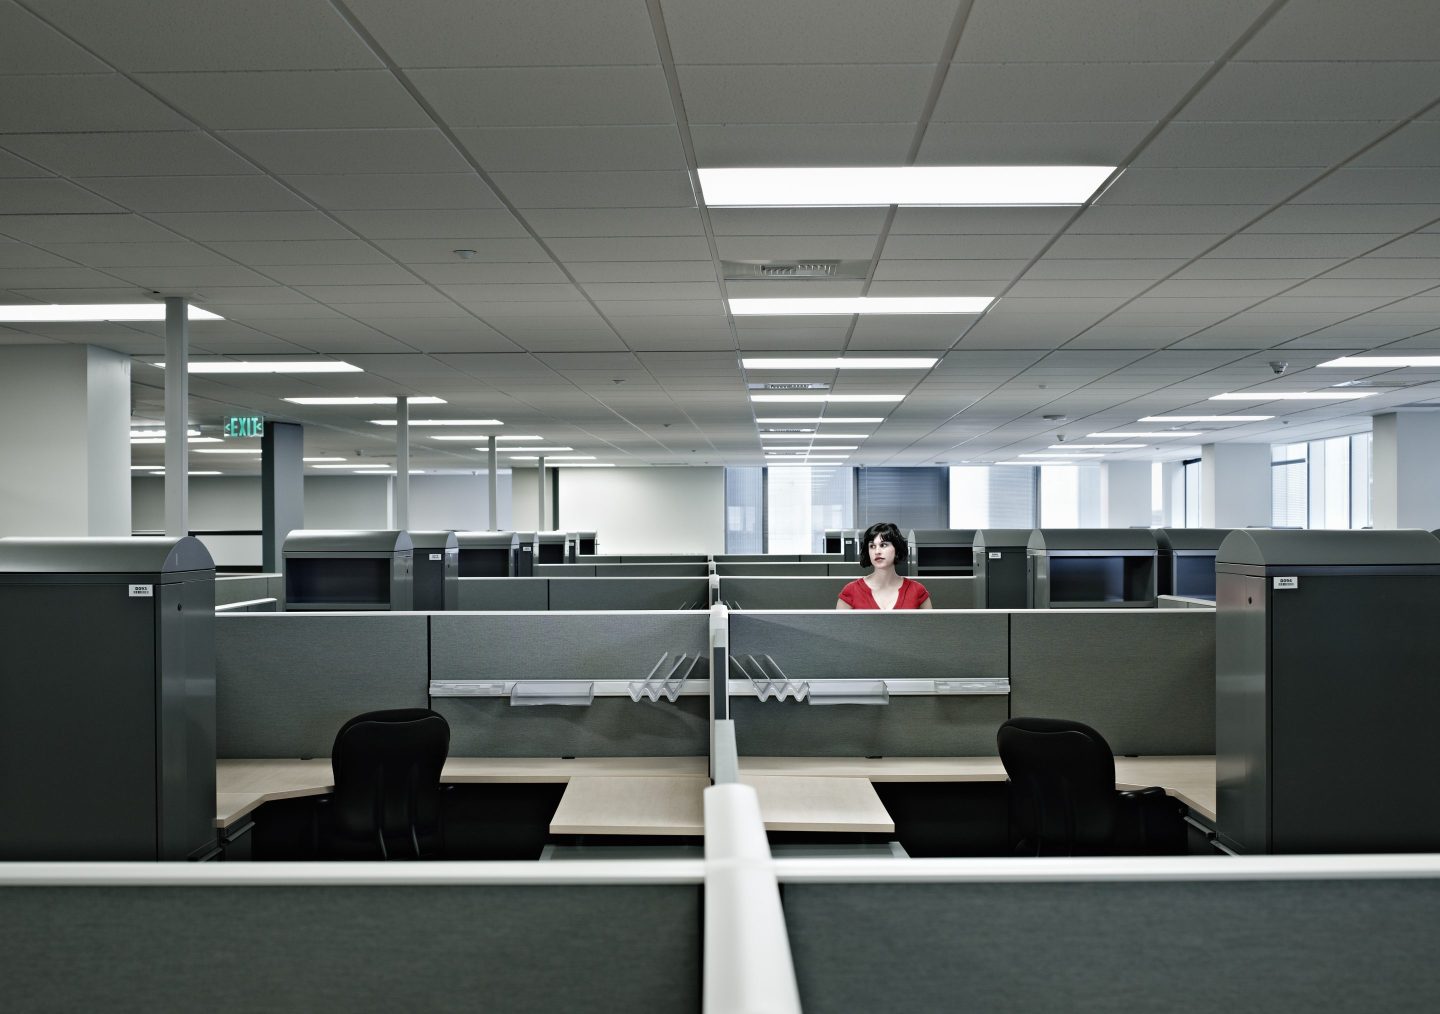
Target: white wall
(644, 510)
(1405, 470)
(362, 502)
(459, 502)
(1125, 494)
(1235, 485)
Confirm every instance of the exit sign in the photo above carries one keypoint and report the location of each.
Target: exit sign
(245, 426)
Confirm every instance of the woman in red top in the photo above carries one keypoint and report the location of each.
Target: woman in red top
(882, 549)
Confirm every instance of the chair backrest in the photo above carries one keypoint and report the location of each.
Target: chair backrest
(387, 776)
(1062, 776)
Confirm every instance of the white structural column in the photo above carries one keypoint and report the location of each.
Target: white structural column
(492, 450)
(1125, 494)
(402, 463)
(1234, 485)
(540, 494)
(177, 416)
(64, 441)
(1405, 470)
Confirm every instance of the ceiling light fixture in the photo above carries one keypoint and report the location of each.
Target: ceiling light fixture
(134, 433)
(1148, 433)
(818, 398)
(189, 440)
(1046, 454)
(1096, 447)
(786, 306)
(1383, 362)
(441, 422)
(916, 186)
(814, 436)
(270, 366)
(1205, 418)
(228, 450)
(313, 460)
(853, 363)
(541, 450)
(389, 399)
(45, 313)
(845, 420)
(1294, 396)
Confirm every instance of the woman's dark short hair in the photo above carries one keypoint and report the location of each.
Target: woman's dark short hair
(887, 531)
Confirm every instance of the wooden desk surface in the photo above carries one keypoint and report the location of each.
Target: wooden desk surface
(674, 805)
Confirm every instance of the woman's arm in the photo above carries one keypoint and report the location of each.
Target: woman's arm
(927, 604)
(842, 604)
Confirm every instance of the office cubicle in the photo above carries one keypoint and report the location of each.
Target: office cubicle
(1091, 568)
(436, 570)
(348, 570)
(1326, 688)
(943, 552)
(550, 547)
(488, 554)
(107, 699)
(1187, 561)
(816, 592)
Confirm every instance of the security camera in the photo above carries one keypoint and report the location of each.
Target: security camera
(1278, 367)
(1060, 438)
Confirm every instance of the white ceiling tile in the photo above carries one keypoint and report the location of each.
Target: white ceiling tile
(257, 35)
(801, 144)
(1259, 267)
(795, 248)
(22, 255)
(44, 229)
(87, 102)
(53, 278)
(1406, 185)
(299, 252)
(1206, 186)
(1051, 267)
(642, 271)
(441, 249)
(807, 31)
(1198, 145)
(481, 292)
(925, 247)
(339, 151)
(1414, 144)
(1315, 91)
(196, 193)
(797, 221)
(547, 96)
(152, 153)
(1423, 244)
(979, 221)
(287, 100)
(602, 291)
(1086, 287)
(394, 191)
(574, 149)
(1119, 336)
(470, 227)
(340, 274)
(255, 225)
(361, 292)
(630, 248)
(461, 33)
(1341, 31)
(474, 272)
(947, 287)
(189, 277)
(1128, 219)
(1030, 143)
(892, 270)
(597, 189)
(1251, 244)
(1173, 245)
(1063, 92)
(1390, 267)
(581, 222)
(783, 93)
(49, 197)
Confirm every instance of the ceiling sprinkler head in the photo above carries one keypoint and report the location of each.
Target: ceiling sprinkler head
(464, 255)
(1278, 366)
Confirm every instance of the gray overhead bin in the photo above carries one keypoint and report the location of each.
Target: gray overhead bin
(437, 571)
(524, 554)
(1326, 688)
(585, 543)
(1000, 562)
(339, 570)
(488, 554)
(1091, 568)
(1187, 560)
(550, 547)
(107, 699)
(943, 552)
(844, 541)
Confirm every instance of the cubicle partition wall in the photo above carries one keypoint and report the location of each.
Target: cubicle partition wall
(1186, 561)
(286, 682)
(572, 684)
(436, 570)
(797, 568)
(745, 592)
(628, 569)
(927, 683)
(1091, 568)
(1143, 678)
(260, 591)
(999, 564)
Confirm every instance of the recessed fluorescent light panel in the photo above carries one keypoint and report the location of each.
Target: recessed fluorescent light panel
(847, 305)
(271, 366)
(843, 420)
(929, 186)
(816, 398)
(853, 363)
(44, 314)
(1045, 454)
(349, 464)
(441, 422)
(140, 434)
(813, 436)
(1205, 418)
(1295, 396)
(228, 450)
(1095, 447)
(1384, 362)
(190, 440)
(539, 449)
(820, 449)
(311, 461)
(1147, 433)
(377, 400)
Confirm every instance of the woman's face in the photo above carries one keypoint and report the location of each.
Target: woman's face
(882, 553)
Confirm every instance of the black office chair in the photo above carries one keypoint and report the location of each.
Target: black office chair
(387, 786)
(1063, 796)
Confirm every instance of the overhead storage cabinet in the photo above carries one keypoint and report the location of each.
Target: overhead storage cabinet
(1326, 691)
(1091, 568)
(437, 570)
(488, 554)
(1000, 567)
(1187, 561)
(107, 699)
(337, 570)
(943, 552)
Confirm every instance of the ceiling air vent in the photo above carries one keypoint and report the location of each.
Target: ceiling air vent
(813, 386)
(810, 270)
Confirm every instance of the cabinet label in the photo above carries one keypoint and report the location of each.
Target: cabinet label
(436, 557)
(994, 556)
(1287, 583)
(142, 591)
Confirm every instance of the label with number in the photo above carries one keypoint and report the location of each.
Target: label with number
(994, 556)
(1287, 583)
(436, 557)
(142, 591)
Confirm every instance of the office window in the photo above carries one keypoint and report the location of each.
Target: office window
(1069, 496)
(1322, 483)
(745, 510)
(1157, 494)
(992, 496)
(1289, 480)
(910, 497)
(1360, 481)
(802, 501)
(1190, 482)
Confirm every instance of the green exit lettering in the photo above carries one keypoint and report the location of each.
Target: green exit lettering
(245, 426)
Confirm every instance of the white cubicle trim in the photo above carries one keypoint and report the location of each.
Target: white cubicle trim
(748, 968)
(1110, 868)
(360, 874)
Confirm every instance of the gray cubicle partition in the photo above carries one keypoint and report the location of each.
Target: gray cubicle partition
(488, 554)
(504, 594)
(586, 544)
(343, 570)
(248, 587)
(618, 570)
(525, 554)
(944, 673)
(745, 592)
(436, 570)
(1143, 678)
(290, 939)
(598, 678)
(1091, 568)
(1326, 691)
(1000, 566)
(611, 593)
(1187, 561)
(286, 682)
(1109, 935)
(799, 568)
(107, 700)
(943, 552)
(550, 547)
